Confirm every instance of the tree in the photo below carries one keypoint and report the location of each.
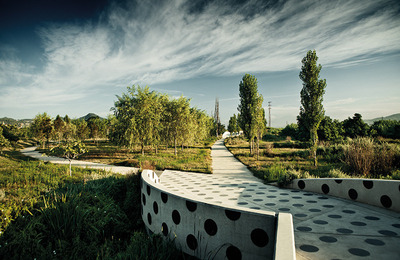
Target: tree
(250, 108)
(354, 127)
(311, 110)
(82, 129)
(233, 125)
(330, 130)
(4, 143)
(59, 128)
(176, 114)
(386, 128)
(138, 113)
(42, 127)
(70, 151)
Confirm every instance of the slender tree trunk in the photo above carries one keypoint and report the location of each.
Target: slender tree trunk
(314, 145)
(70, 169)
(175, 145)
(142, 147)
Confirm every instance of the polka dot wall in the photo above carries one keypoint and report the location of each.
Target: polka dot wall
(208, 230)
(325, 227)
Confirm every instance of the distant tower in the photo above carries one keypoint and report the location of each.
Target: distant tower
(216, 114)
(269, 113)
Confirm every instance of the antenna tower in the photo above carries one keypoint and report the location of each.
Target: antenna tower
(216, 114)
(269, 113)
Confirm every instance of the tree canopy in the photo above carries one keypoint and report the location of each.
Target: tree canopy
(311, 110)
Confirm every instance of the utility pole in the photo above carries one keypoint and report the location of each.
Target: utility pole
(269, 114)
(216, 114)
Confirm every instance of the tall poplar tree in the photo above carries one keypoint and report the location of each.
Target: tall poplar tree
(250, 108)
(311, 111)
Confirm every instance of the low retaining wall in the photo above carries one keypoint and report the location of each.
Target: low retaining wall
(381, 193)
(212, 231)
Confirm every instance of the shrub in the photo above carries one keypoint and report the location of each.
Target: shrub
(359, 155)
(269, 149)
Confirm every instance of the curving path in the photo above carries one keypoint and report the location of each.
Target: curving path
(30, 151)
(324, 227)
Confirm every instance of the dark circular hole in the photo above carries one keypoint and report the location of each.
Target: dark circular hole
(309, 248)
(374, 242)
(344, 230)
(233, 253)
(191, 206)
(304, 229)
(301, 184)
(338, 181)
(148, 189)
(164, 197)
(358, 223)
(176, 217)
(325, 188)
(368, 184)
(328, 239)
(191, 242)
(387, 233)
(259, 237)
(386, 201)
(353, 194)
(164, 229)
(144, 199)
(359, 252)
(210, 227)
(149, 218)
(155, 207)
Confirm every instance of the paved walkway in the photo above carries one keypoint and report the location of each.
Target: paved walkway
(30, 151)
(325, 227)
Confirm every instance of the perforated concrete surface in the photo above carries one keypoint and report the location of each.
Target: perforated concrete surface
(325, 227)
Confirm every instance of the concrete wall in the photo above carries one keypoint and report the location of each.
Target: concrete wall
(213, 231)
(381, 193)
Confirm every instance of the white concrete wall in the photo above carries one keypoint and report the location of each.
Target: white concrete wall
(210, 231)
(381, 193)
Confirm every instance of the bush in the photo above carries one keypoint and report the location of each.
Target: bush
(359, 155)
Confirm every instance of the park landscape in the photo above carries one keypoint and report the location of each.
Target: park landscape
(56, 211)
(199, 129)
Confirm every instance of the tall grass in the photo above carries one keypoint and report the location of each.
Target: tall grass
(92, 215)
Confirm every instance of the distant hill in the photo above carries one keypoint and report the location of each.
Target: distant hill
(391, 117)
(90, 116)
(12, 121)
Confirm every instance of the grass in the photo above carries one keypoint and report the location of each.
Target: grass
(278, 158)
(46, 214)
(283, 160)
(194, 158)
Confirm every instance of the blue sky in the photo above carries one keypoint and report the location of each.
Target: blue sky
(68, 57)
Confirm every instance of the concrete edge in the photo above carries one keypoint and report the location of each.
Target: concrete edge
(284, 240)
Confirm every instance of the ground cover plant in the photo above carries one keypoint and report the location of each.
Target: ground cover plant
(47, 214)
(282, 159)
(195, 158)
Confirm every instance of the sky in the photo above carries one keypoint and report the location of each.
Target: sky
(73, 57)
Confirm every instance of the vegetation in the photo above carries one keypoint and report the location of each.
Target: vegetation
(148, 118)
(311, 110)
(47, 214)
(70, 151)
(284, 159)
(252, 116)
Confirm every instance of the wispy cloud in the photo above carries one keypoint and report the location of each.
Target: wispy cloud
(152, 43)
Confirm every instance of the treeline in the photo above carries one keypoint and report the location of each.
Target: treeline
(60, 129)
(333, 130)
(148, 118)
(141, 118)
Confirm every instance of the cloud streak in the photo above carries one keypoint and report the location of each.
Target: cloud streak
(149, 43)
